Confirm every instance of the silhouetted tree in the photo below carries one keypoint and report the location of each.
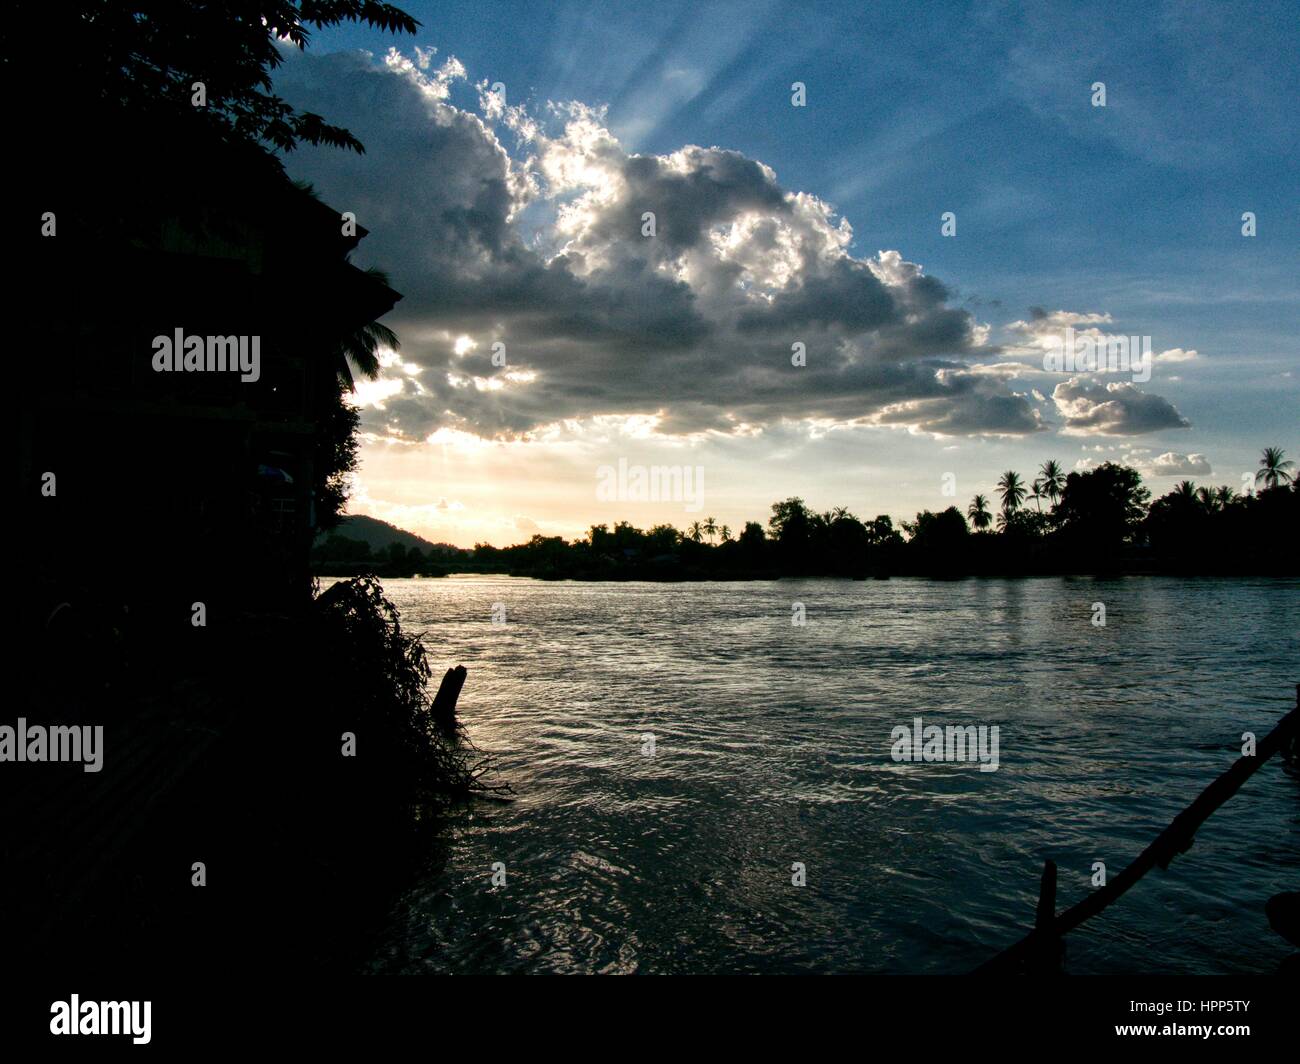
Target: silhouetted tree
(1051, 479)
(1103, 507)
(791, 525)
(361, 348)
(1099, 511)
(1273, 468)
(335, 460)
(145, 56)
(938, 542)
(1012, 490)
(662, 539)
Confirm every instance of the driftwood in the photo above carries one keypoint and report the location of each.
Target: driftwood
(443, 710)
(1044, 941)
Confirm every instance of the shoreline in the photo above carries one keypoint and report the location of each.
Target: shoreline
(385, 573)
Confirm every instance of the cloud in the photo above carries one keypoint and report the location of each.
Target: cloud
(1115, 409)
(541, 247)
(1176, 354)
(1045, 331)
(1172, 464)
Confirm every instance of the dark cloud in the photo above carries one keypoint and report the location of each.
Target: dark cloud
(694, 323)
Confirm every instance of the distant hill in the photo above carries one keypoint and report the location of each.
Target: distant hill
(380, 535)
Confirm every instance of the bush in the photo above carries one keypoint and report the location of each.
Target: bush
(377, 676)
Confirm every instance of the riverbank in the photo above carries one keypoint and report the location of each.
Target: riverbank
(268, 788)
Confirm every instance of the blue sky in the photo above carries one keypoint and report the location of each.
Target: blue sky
(1131, 210)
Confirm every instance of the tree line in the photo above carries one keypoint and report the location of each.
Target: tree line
(1090, 520)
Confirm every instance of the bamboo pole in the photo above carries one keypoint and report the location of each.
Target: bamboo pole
(1175, 839)
(1047, 958)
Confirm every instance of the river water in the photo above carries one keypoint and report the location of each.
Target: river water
(772, 747)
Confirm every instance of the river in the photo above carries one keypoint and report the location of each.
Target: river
(677, 749)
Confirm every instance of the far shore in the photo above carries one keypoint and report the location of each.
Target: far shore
(695, 577)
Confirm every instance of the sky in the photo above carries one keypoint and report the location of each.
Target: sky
(828, 250)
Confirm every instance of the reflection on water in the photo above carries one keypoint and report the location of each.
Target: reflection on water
(772, 746)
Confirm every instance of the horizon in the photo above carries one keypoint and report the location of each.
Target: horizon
(927, 254)
(994, 503)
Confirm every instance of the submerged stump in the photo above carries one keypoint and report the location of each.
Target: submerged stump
(443, 709)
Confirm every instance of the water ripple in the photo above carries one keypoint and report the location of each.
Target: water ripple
(772, 748)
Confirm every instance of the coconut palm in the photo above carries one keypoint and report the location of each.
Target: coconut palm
(1051, 480)
(695, 532)
(710, 528)
(1037, 493)
(1012, 489)
(725, 533)
(1207, 498)
(1225, 497)
(1273, 470)
(361, 348)
(978, 512)
(1185, 490)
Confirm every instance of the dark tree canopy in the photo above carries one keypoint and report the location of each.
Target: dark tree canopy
(146, 56)
(1105, 505)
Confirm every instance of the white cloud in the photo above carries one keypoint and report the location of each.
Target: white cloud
(1172, 464)
(1115, 409)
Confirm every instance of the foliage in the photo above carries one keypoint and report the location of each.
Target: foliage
(1012, 490)
(381, 676)
(335, 459)
(1274, 469)
(144, 56)
(1103, 507)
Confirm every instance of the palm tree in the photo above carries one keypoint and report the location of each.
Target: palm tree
(1207, 498)
(1037, 493)
(1272, 469)
(710, 528)
(1225, 497)
(978, 512)
(1185, 490)
(1012, 489)
(695, 532)
(361, 347)
(725, 533)
(1052, 480)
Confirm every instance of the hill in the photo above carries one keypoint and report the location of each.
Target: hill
(380, 535)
